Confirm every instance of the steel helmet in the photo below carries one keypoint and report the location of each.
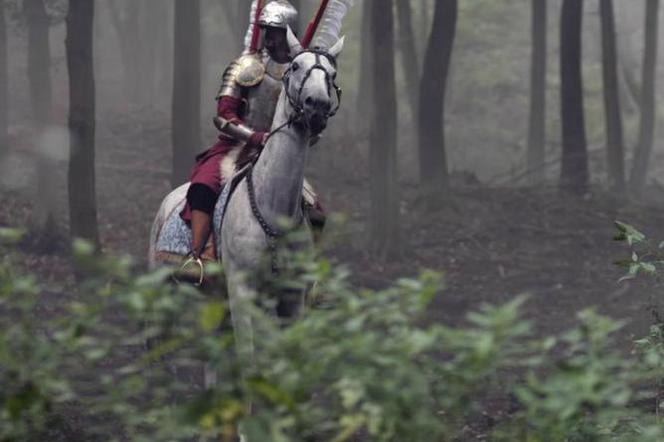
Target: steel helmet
(278, 14)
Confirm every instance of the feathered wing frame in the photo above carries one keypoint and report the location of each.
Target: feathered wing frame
(252, 36)
(324, 30)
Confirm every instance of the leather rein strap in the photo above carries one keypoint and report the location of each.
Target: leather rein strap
(272, 233)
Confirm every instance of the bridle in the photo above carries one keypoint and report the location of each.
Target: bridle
(330, 81)
(272, 233)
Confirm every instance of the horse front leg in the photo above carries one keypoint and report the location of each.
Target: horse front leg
(241, 299)
(290, 305)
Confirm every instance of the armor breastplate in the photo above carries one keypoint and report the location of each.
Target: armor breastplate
(262, 98)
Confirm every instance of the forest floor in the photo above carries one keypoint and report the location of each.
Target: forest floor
(492, 244)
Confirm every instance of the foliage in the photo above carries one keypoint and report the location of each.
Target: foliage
(590, 393)
(31, 375)
(127, 355)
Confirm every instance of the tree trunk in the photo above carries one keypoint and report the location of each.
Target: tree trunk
(647, 125)
(82, 194)
(164, 77)
(41, 105)
(152, 15)
(409, 61)
(574, 171)
(424, 20)
(242, 19)
(364, 103)
(537, 116)
(433, 158)
(614, 129)
(385, 236)
(4, 86)
(125, 19)
(186, 88)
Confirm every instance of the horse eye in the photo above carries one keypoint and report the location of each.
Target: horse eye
(295, 66)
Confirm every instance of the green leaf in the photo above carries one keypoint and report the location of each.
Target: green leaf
(83, 249)
(271, 392)
(628, 233)
(10, 236)
(211, 316)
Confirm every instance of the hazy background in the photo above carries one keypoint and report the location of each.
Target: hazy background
(487, 93)
(493, 231)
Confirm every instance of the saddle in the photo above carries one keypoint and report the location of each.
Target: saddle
(173, 240)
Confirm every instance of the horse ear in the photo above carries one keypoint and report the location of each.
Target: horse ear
(337, 48)
(293, 43)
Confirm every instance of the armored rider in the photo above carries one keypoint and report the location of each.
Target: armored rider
(246, 104)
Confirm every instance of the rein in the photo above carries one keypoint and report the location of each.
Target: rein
(272, 233)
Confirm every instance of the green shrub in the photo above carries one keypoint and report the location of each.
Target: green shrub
(124, 358)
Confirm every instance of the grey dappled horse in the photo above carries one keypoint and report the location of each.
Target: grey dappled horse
(273, 189)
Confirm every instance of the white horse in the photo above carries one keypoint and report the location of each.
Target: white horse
(272, 190)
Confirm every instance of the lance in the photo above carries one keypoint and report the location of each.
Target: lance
(311, 28)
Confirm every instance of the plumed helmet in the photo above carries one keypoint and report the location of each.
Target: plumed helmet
(278, 14)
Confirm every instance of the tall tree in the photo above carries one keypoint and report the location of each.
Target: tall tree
(408, 49)
(423, 19)
(237, 19)
(41, 100)
(125, 15)
(364, 103)
(537, 116)
(433, 158)
(82, 187)
(4, 87)
(648, 91)
(186, 112)
(574, 170)
(614, 128)
(152, 15)
(384, 231)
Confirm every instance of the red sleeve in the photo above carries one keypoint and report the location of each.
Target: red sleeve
(228, 108)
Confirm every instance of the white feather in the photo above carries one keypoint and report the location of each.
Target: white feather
(250, 31)
(330, 28)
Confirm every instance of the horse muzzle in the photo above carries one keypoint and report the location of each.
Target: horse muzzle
(316, 113)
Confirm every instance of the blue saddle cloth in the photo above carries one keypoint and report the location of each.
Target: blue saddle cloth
(175, 235)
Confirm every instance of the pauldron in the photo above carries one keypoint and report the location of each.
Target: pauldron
(246, 71)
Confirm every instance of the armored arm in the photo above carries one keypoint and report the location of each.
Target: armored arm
(239, 131)
(247, 71)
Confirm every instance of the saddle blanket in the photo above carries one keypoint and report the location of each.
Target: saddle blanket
(175, 236)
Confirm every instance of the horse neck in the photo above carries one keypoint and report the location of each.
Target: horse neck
(279, 172)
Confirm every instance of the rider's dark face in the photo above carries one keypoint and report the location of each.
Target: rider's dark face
(276, 44)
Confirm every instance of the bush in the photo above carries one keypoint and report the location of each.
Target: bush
(360, 365)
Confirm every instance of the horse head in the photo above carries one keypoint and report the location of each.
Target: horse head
(310, 83)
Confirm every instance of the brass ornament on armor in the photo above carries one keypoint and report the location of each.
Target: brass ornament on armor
(246, 71)
(251, 71)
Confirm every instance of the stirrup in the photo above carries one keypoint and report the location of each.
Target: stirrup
(201, 268)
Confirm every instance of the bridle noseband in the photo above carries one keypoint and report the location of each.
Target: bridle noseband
(295, 101)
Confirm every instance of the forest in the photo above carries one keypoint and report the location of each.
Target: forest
(492, 256)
